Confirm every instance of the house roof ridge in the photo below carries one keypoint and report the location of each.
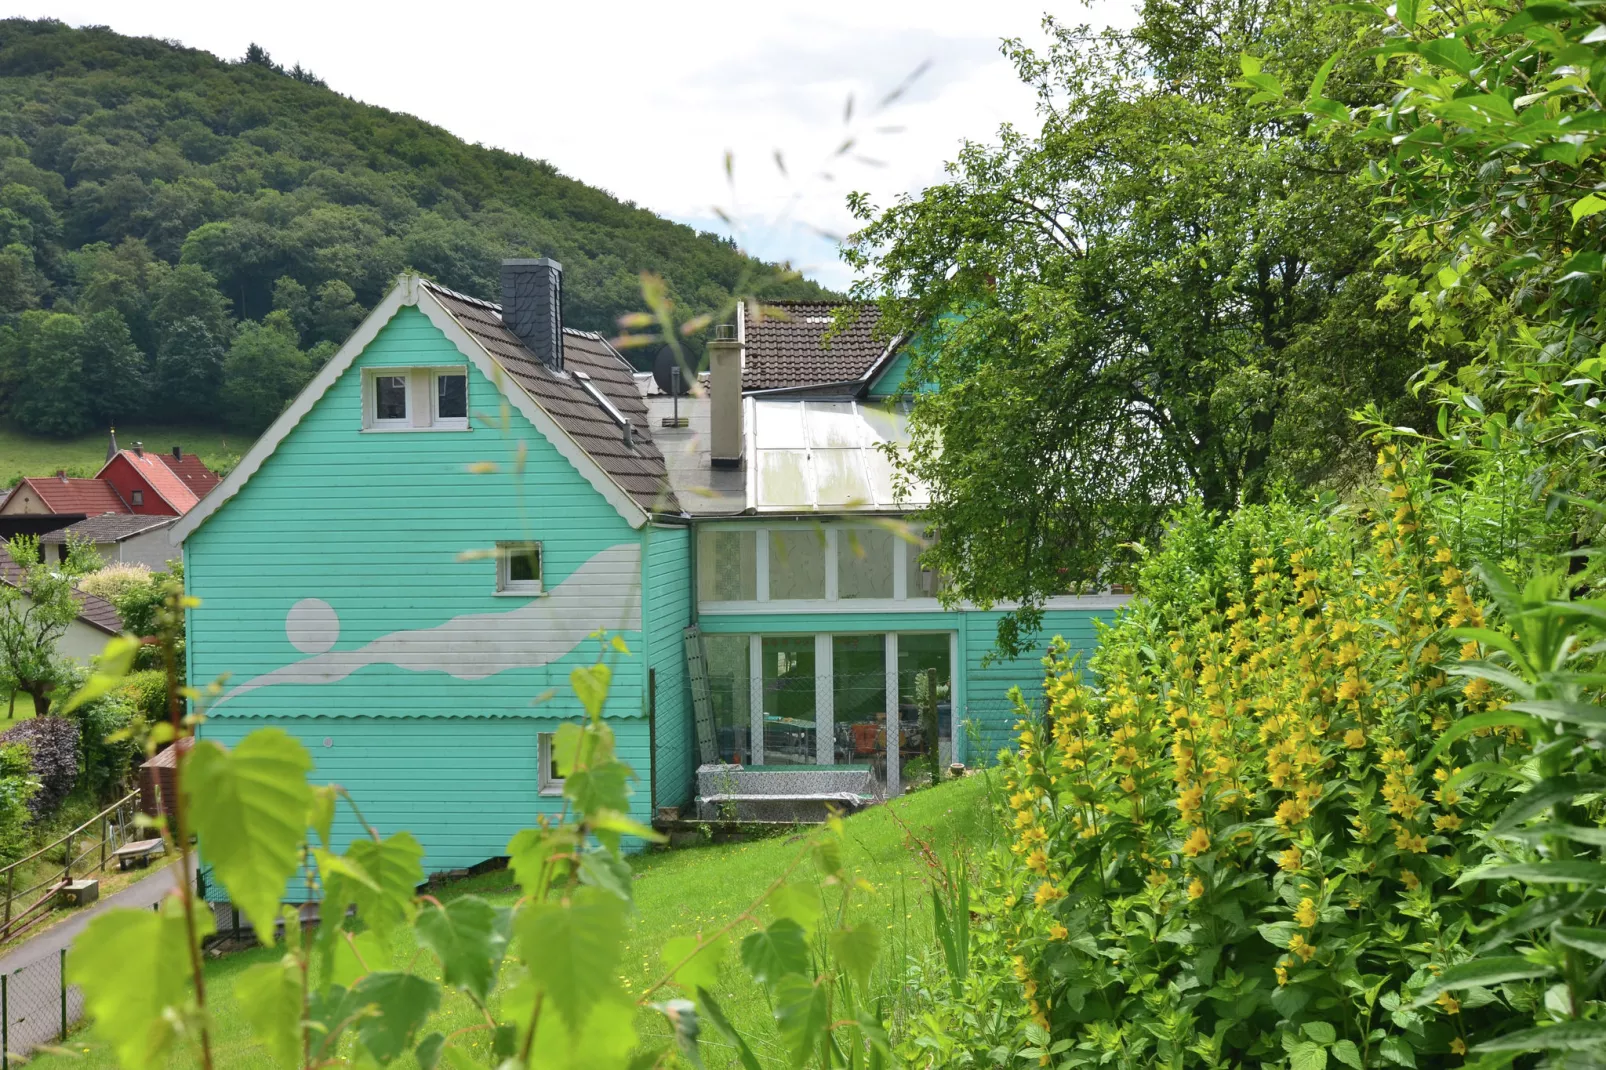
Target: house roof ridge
(492, 306)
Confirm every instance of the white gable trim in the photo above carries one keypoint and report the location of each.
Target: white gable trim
(626, 506)
(407, 291)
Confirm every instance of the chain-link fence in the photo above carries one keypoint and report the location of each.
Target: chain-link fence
(38, 1007)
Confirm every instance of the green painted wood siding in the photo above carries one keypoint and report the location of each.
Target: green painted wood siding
(373, 524)
(666, 595)
(890, 381)
(463, 786)
(986, 695)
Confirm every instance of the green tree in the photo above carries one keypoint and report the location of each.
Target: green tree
(188, 292)
(336, 312)
(262, 372)
(1153, 298)
(115, 382)
(36, 607)
(189, 369)
(42, 369)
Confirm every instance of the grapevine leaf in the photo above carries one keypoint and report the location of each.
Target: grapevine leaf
(606, 870)
(270, 1001)
(605, 1038)
(800, 1015)
(700, 970)
(857, 948)
(401, 1003)
(799, 902)
(776, 952)
(250, 808)
(394, 864)
(134, 969)
(590, 683)
(428, 1052)
(602, 786)
(469, 936)
(572, 950)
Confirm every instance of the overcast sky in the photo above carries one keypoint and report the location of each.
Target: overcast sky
(644, 100)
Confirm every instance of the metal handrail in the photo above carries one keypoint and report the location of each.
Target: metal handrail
(15, 921)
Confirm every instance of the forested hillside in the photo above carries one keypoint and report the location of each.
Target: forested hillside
(185, 239)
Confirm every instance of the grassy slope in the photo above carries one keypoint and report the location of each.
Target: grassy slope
(683, 892)
(25, 455)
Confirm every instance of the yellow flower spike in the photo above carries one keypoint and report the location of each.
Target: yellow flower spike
(1196, 888)
(1197, 843)
(1458, 1046)
(1305, 914)
(1450, 1004)
(1058, 931)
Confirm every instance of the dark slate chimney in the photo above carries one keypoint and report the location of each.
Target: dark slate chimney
(532, 306)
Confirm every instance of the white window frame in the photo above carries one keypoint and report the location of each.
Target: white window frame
(518, 588)
(547, 783)
(901, 601)
(436, 420)
(421, 389)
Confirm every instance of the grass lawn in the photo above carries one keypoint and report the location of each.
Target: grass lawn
(9, 714)
(678, 893)
(27, 455)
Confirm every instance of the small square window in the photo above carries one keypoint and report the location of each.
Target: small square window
(390, 399)
(550, 783)
(518, 568)
(139, 497)
(451, 398)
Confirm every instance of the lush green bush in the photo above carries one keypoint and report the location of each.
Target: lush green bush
(1236, 847)
(17, 786)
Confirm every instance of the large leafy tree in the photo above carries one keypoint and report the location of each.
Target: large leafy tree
(1164, 293)
(37, 604)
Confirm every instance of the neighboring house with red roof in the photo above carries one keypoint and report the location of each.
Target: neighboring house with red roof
(63, 495)
(132, 482)
(147, 484)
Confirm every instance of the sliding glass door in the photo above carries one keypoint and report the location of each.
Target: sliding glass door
(925, 704)
(859, 699)
(789, 707)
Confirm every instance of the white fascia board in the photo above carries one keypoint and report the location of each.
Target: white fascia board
(616, 496)
(404, 293)
(407, 291)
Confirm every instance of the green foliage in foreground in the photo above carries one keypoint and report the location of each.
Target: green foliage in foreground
(337, 996)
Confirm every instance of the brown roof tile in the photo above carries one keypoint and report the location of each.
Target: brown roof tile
(787, 344)
(108, 527)
(640, 471)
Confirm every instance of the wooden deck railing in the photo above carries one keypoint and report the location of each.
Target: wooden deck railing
(110, 831)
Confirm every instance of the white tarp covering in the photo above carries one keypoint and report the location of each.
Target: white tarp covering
(807, 455)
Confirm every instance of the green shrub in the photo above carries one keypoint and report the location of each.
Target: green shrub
(1242, 844)
(146, 691)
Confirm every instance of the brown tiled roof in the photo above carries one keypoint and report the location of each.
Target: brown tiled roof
(196, 475)
(108, 527)
(163, 480)
(90, 497)
(92, 609)
(640, 471)
(787, 344)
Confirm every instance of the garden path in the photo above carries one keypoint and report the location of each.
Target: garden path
(32, 1010)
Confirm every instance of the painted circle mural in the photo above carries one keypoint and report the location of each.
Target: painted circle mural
(312, 626)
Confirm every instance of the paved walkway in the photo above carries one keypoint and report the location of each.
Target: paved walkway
(32, 970)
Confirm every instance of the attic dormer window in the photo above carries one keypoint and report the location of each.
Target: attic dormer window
(415, 399)
(139, 498)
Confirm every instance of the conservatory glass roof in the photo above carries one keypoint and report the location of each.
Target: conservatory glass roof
(825, 455)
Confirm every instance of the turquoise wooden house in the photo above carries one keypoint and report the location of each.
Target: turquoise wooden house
(406, 566)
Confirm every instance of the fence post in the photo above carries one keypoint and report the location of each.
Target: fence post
(66, 864)
(5, 1022)
(63, 973)
(11, 880)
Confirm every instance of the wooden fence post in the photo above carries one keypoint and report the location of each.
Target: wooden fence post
(930, 726)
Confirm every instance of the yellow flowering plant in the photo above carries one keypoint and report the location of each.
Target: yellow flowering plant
(1236, 838)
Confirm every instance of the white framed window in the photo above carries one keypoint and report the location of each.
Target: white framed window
(450, 398)
(550, 783)
(518, 568)
(415, 399)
